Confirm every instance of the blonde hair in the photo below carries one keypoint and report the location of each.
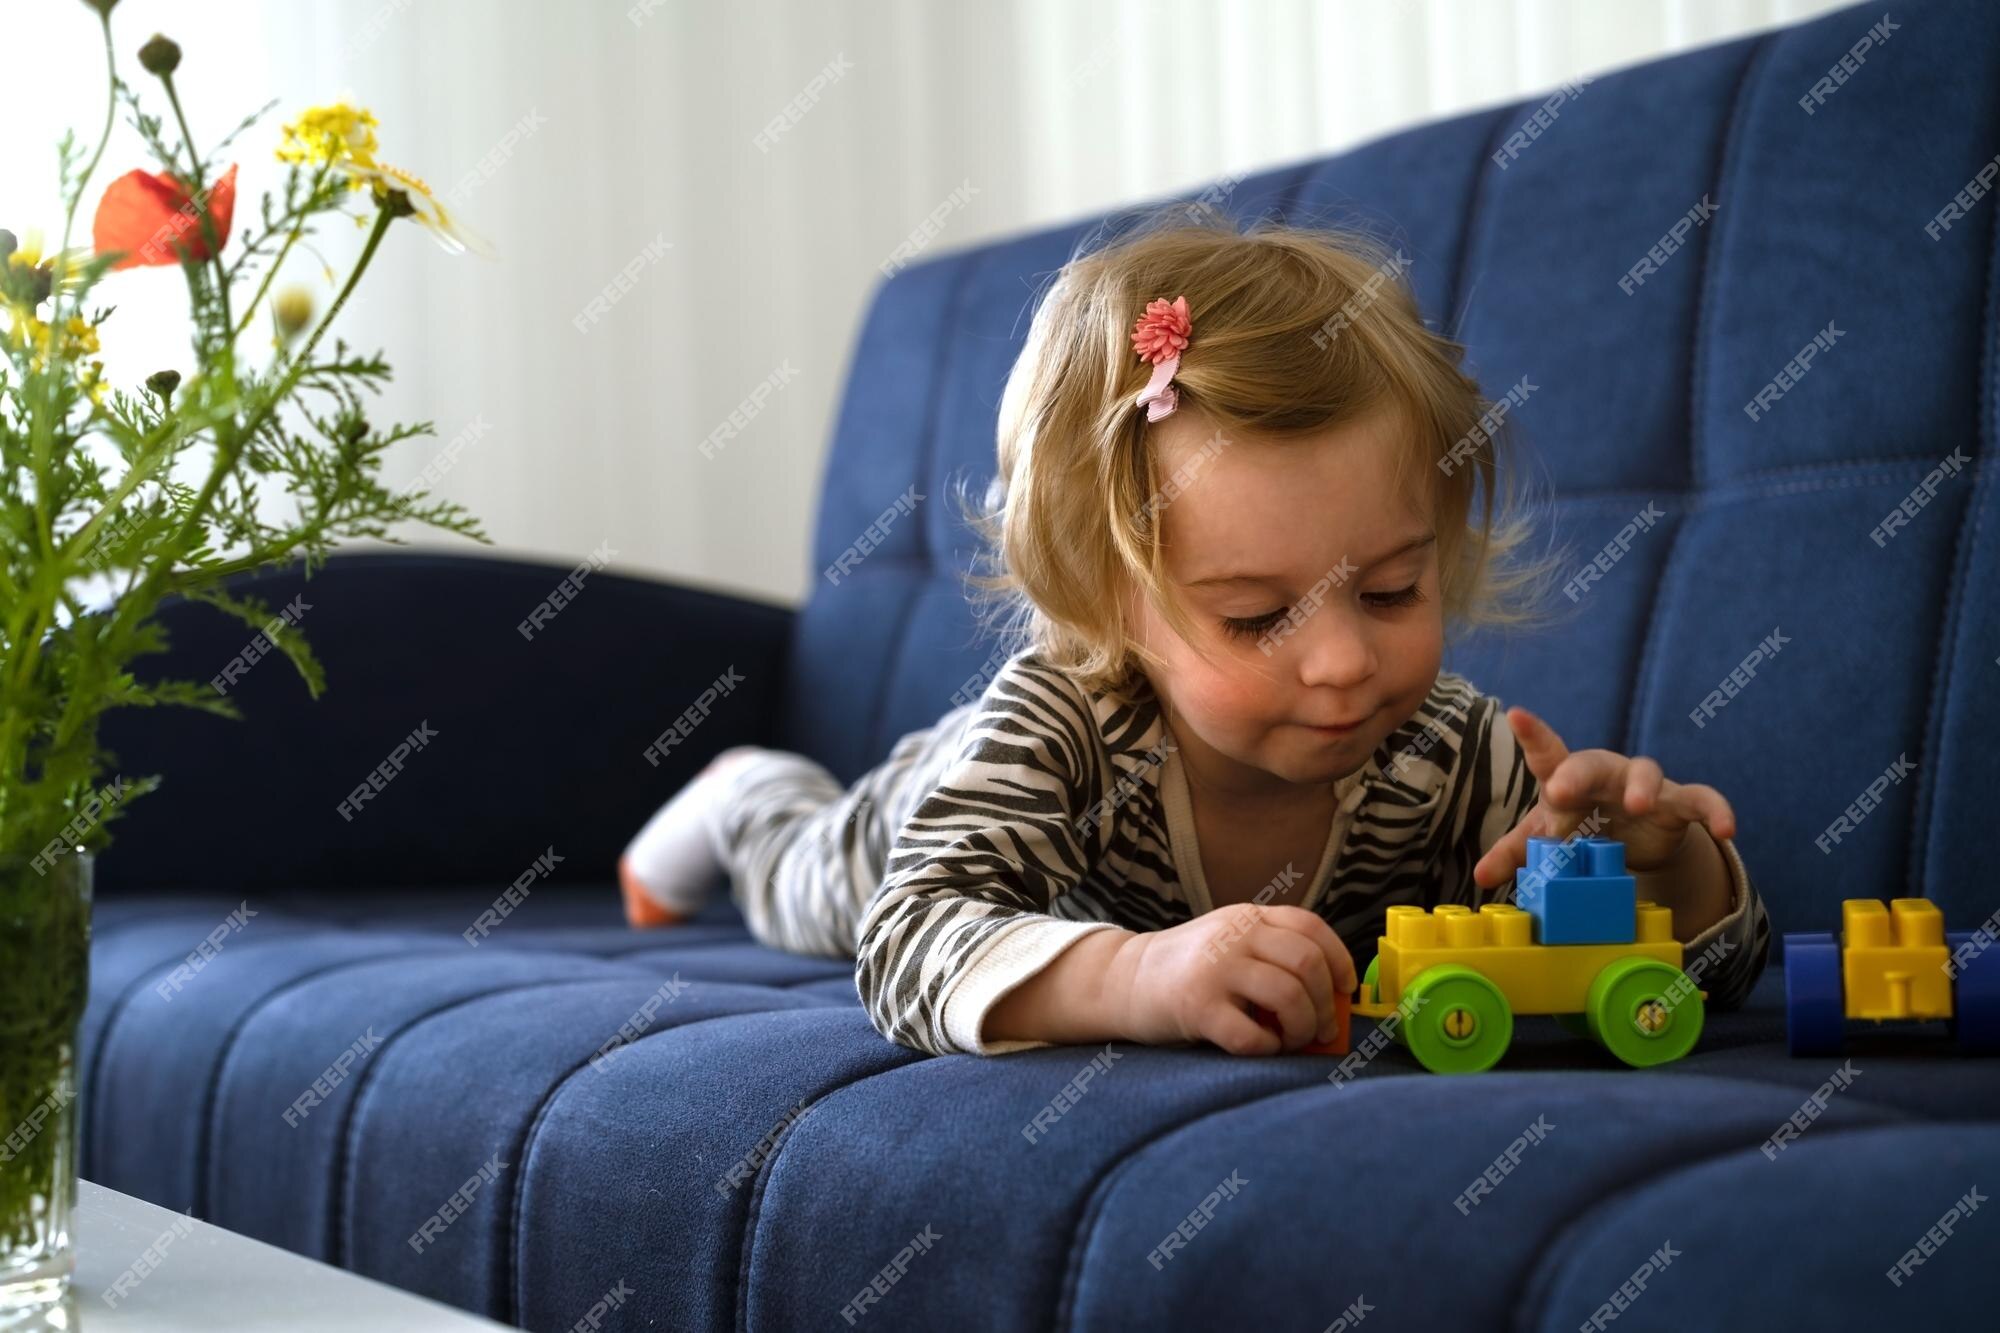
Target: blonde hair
(1296, 329)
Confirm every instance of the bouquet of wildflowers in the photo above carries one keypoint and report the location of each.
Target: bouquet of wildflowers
(116, 497)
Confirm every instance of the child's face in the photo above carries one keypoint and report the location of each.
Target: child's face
(1347, 605)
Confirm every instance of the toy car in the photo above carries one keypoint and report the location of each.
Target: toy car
(1579, 946)
(1891, 962)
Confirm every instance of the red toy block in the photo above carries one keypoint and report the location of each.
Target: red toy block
(1338, 1046)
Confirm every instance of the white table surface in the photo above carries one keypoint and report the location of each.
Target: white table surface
(207, 1278)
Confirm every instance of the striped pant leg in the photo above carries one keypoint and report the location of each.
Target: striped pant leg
(792, 840)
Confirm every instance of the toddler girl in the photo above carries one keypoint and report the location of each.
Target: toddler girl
(1242, 491)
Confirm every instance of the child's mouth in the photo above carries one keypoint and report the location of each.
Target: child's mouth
(1336, 730)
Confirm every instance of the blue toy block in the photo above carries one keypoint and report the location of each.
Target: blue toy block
(1975, 1019)
(1578, 892)
(1815, 1003)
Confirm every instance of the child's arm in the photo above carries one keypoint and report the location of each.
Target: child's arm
(961, 916)
(959, 950)
(1189, 982)
(1678, 837)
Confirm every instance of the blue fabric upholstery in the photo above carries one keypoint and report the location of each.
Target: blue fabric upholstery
(716, 1125)
(527, 728)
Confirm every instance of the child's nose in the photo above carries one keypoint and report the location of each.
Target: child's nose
(1336, 650)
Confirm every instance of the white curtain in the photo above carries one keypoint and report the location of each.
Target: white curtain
(755, 164)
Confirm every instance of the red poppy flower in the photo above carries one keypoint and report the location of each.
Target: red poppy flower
(151, 217)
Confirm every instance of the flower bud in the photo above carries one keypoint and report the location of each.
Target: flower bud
(292, 308)
(160, 56)
(164, 382)
(396, 203)
(103, 7)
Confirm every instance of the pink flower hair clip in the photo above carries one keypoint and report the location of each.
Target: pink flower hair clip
(1159, 336)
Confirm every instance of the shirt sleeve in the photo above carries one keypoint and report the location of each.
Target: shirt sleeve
(961, 917)
(1490, 790)
(1726, 959)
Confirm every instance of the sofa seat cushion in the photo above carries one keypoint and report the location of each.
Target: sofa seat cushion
(518, 1126)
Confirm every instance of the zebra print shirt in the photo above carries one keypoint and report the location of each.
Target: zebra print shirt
(1042, 812)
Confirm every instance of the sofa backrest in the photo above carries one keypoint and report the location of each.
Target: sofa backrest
(457, 743)
(1819, 198)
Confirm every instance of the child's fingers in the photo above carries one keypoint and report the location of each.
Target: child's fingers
(1699, 803)
(1271, 987)
(1644, 782)
(1504, 857)
(1339, 963)
(1587, 778)
(1541, 748)
(1303, 959)
(1236, 1032)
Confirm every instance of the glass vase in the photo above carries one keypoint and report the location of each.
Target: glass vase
(44, 983)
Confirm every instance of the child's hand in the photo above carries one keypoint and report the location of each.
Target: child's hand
(1642, 808)
(1191, 982)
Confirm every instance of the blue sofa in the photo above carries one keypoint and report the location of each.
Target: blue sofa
(681, 1129)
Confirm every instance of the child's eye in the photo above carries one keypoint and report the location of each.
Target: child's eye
(1409, 596)
(1238, 628)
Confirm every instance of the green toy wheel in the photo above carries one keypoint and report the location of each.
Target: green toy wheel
(1459, 1022)
(1371, 993)
(1644, 1011)
(1395, 1022)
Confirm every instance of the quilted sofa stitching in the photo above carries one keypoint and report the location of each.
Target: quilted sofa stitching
(92, 1153)
(1922, 828)
(804, 981)
(364, 1083)
(1762, 483)
(1614, 499)
(642, 946)
(1459, 303)
(212, 1094)
(116, 1007)
(754, 1209)
(1699, 343)
(203, 1178)
(512, 1279)
(946, 355)
(1107, 1179)
(1559, 1246)
(131, 913)
(1963, 545)
(1892, 461)
(1740, 494)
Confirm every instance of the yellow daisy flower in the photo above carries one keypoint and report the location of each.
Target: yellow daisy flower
(79, 342)
(29, 277)
(343, 137)
(336, 135)
(425, 207)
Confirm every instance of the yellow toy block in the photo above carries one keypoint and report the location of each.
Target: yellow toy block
(1497, 941)
(1893, 959)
